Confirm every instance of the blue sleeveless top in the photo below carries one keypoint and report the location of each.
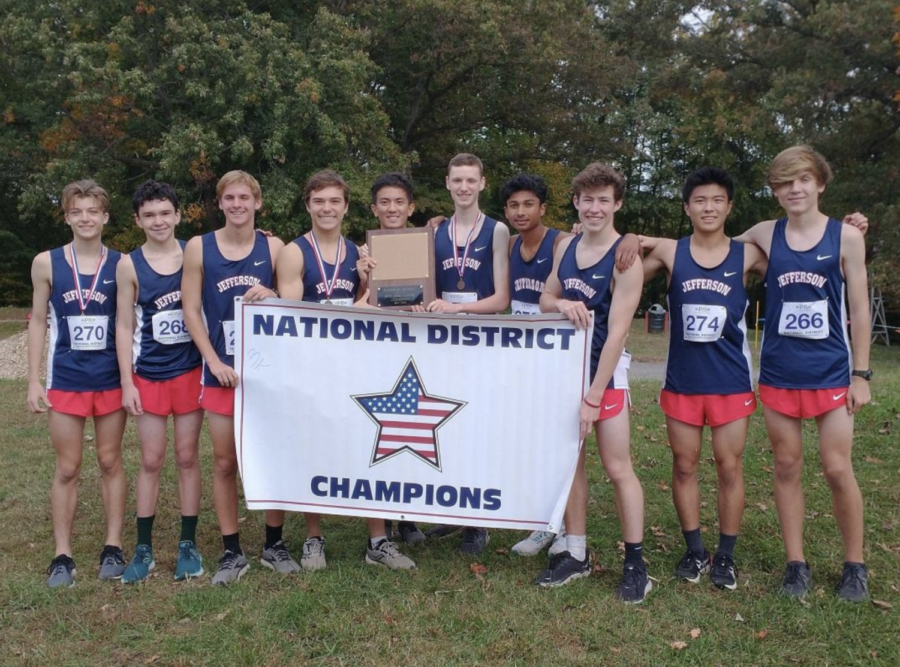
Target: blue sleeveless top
(805, 345)
(347, 282)
(527, 278)
(708, 348)
(170, 352)
(592, 286)
(479, 271)
(223, 280)
(71, 369)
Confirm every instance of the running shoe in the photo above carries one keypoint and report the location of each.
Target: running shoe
(692, 566)
(410, 533)
(797, 579)
(112, 563)
(565, 568)
(723, 573)
(232, 566)
(190, 563)
(474, 540)
(635, 584)
(140, 566)
(279, 559)
(854, 586)
(534, 543)
(313, 557)
(61, 573)
(387, 554)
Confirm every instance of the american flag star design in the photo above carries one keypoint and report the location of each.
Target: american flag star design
(408, 418)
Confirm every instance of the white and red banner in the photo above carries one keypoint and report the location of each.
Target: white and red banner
(467, 420)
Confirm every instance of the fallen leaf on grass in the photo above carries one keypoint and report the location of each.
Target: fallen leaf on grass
(762, 506)
(221, 617)
(663, 486)
(678, 646)
(695, 633)
(151, 660)
(184, 621)
(598, 567)
(881, 604)
(761, 634)
(768, 469)
(389, 619)
(739, 618)
(478, 569)
(872, 459)
(501, 552)
(106, 607)
(616, 650)
(640, 427)
(873, 655)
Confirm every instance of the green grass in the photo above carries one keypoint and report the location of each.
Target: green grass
(442, 614)
(12, 321)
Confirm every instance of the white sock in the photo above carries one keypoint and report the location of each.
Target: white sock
(576, 545)
(378, 539)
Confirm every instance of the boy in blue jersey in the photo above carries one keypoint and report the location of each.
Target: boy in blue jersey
(471, 254)
(706, 274)
(219, 266)
(160, 370)
(75, 288)
(585, 280)
(393, 201)
(805, 365)
(322, 266)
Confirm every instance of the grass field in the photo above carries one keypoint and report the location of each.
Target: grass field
(443, 613)
(12, 321)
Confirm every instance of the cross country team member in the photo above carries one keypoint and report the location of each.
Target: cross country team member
(584, 280)
(219, 266)
(393, 201)
(805, 365)
(471, 253)
(707, 273)
(160, 376)
(76, 286)
(321, 267)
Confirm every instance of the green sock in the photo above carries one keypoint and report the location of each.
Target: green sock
(188, 528)
(145, 530)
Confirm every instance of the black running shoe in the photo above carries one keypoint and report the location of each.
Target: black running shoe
(635, 584)
(564, 568)
(410, 533)
(474, 540)
(797, 579)
(723, 573)
(854, 586)
(692, 566)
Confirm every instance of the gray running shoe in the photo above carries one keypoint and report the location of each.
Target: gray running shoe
(61, 573)
(474, 540)
(232, 566)
(387, 554)
(532, 545)
(112, 563)
(797, 579)
(854, 586)
(277, 558)
(313, 557)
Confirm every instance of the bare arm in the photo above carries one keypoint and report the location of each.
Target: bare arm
(289, 272)
(853, 262)
(755, 261)
(759, 234)
(127, 287)
(626, 296)
(41, 276)
(660, 259)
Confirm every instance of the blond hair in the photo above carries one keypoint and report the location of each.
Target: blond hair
(598, 175)
(793, 161)
(85, 188)
(238, 177)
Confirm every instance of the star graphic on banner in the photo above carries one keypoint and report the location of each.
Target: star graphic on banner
(408, 418)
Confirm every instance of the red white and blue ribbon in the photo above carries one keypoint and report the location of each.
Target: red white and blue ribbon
(461, 266)
(83, 302)
(329, 284)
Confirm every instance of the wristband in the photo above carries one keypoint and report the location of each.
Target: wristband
(587, 402)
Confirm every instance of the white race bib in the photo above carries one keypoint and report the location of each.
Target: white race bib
(169, 328)
(523, 308)
(459, 297)
(228, 329)
(701, 323)
(804, 319)
(338, 302)
(87, 333)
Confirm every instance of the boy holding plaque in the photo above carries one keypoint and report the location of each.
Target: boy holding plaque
(585, 280)
(219, 266)
(75, 293)
(160, 369)
(321, 267)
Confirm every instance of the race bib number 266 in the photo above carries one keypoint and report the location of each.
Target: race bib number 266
(804, 319)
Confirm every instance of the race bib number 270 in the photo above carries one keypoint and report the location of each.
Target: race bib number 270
(87, 333)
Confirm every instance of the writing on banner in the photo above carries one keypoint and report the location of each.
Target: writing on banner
(470, 420)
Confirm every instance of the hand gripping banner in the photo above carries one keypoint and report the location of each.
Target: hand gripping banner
(469, 420)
